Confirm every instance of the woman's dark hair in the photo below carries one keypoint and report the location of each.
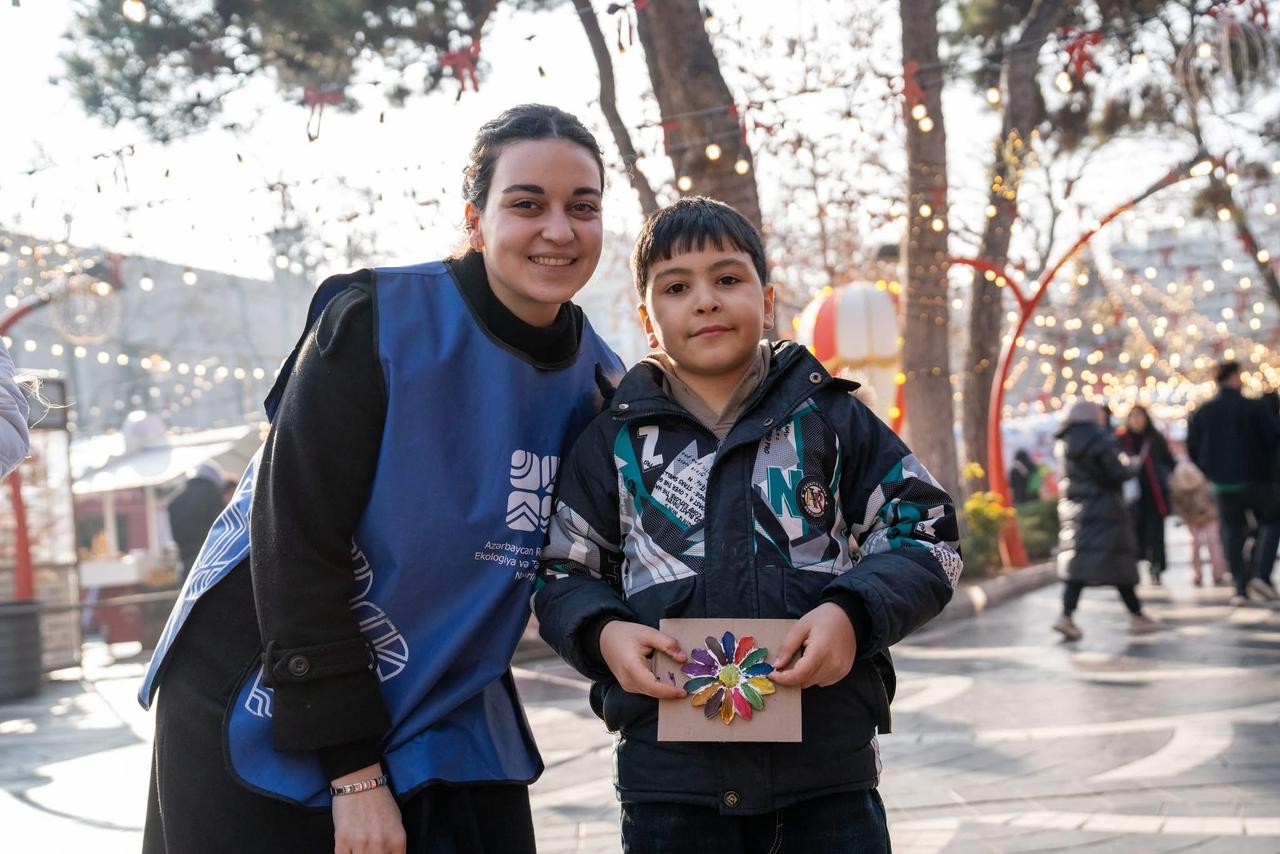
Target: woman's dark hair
(525, 122)
(1146, 431)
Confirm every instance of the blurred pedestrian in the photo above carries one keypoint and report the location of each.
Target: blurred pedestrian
(1233, 440)
(15, 443)
(1192, 500)
(1148, 449)
(1026, 477)
(1096, 542)
(193, 511)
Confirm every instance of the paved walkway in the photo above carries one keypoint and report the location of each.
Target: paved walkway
(1004, 739)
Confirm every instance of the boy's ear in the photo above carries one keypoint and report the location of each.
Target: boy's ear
(650, 336)
(768, 307)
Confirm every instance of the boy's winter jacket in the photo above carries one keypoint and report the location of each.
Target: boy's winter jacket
(809, 498)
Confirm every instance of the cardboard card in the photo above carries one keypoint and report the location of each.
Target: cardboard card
(762, 710)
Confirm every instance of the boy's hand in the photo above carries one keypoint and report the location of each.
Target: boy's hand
(830, 647)
(626, 647)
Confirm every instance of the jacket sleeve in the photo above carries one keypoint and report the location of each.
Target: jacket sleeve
(313, 484)
(580, 586)
(14, 440)
(1109, 468)
(1193, 441)
(902, 531)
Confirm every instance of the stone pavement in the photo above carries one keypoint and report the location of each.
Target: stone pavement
(1005, 739)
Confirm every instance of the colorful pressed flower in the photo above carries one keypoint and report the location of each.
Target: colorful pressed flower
(729, 677)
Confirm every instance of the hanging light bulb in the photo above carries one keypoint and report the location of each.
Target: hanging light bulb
(134, 10)
(146, 283)
(685, 183)
(1063, 82)
(993, 96)
(926, 124)
(713, 151)
(742, 167)
(919, 111)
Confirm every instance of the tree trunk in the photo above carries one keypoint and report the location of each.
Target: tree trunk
(696, 106)
(986, 310)
(930, 413)
(609, 106)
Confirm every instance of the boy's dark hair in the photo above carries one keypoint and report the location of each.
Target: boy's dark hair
(525, 122)
(1226, 371)
(690, 225)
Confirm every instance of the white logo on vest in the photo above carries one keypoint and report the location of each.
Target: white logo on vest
(529, 505)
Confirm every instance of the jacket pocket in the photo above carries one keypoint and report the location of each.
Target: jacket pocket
(802, 590)
(621, 710)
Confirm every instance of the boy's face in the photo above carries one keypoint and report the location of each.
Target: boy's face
(707, 310)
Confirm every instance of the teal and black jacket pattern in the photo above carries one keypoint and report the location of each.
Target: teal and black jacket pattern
(809, 498)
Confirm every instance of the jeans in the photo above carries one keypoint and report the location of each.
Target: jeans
(1260, 500)
(843, 823)
(1071, 597)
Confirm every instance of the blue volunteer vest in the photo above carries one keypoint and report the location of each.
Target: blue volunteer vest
(445, 554)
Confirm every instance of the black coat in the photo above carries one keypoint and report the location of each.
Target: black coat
(1233, 439)
(1096, 542)
(191, 514)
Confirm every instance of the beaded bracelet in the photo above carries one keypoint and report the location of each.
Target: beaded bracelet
(359, 786)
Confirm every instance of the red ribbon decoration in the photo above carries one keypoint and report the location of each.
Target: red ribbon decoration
(313, 96)
(1079, 49)
(316, 98)
(463, 65)
(911, 91)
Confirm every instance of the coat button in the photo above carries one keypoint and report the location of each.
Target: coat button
(815, 377)
(623, 407)
(732, 799)
(768, 421)
(299, 666)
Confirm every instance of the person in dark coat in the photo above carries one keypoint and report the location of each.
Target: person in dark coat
(1233, 440)
(1147, 448)
(1096, 542)
(193, 511)
(1024, 477)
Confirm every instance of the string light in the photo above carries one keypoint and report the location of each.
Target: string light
(134, 11)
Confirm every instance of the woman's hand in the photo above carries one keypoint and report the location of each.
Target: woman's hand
(830, 647)
(367, 822)
(626, 647)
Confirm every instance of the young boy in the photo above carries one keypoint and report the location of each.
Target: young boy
(733, 477)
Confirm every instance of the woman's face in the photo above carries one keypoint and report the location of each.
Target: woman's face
(1137, 421)
(540, 230)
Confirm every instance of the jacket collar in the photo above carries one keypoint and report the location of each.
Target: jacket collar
(793, 375)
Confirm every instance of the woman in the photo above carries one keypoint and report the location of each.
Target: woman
(396, 513)
(1096, 544)
(1147, 448)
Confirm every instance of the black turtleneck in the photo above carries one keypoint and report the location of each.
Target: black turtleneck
(313, 484)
